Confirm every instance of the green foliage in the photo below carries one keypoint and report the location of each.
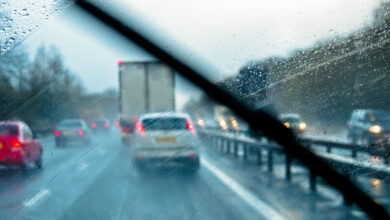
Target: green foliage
(43, 91)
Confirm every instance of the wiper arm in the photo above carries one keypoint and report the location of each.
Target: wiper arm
(258, 120)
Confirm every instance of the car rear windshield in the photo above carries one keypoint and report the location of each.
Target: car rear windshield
(378, 116)
(70, 124)
(164, 123)
(8, 130)
(291, 120)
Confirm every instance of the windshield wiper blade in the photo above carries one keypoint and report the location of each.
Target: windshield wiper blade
(260, 120)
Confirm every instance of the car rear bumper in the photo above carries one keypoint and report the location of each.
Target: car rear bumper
(71, 138)
(12, 158)
(161, 153)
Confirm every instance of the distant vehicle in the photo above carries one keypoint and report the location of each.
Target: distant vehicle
(144, 87)
(207, 123)
(18, 147)
(370, 126)
(101, 124)
(72, 130)
(166, 138)
(294, 122)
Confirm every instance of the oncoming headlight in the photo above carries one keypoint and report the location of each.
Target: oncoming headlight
(302, 126)
(375, 129)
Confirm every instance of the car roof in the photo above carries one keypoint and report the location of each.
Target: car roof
(72, 120)
(16, 123)
(164, 115)
(290, 115)
(371, 111)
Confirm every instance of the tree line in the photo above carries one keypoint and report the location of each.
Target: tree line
(42, 91)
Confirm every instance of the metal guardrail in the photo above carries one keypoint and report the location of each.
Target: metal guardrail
(233, 143)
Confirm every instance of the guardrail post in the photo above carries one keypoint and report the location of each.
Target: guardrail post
(328, 149)
(288, 167)
(386, 160)
(245, 149)
(347, 201)
(235, 148)
(312, 181)
(259, 155)
(354, 153)
(270, 160)
(229, 145)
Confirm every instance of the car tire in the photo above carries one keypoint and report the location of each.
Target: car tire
(38, 163)
(60, 143)
(193, 166)
(139, 166)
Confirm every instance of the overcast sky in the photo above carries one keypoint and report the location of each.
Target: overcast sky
(225, 33)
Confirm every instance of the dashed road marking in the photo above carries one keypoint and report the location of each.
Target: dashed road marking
(257, 204)
(38, 196)
(83, 166)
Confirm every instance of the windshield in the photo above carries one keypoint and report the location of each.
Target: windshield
(291, 120)
(8, 130)
(164, 124)
(92, 91)
(378, 116)
(70, 124)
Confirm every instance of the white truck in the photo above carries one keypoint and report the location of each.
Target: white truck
(144, 87)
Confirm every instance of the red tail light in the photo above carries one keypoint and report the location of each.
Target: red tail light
(192, 156)
(93, 125)
(81, 132)
(190, 126)
(117, 123)
(16, 145)
(106, 125)
(140, 128)
(57, 133)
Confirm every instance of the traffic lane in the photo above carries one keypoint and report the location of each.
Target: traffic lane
(122, 192)
(62, 170)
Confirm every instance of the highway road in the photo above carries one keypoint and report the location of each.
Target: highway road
(99, 182)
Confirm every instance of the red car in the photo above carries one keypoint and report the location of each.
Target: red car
(18, 146)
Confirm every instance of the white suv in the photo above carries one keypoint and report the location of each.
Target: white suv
(165, 138)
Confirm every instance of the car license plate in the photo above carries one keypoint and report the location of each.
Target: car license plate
(68, 132)
(1, 145)
(166, 140)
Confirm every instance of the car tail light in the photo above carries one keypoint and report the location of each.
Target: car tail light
(57, 133)
(192, 156)
(140, 128)
(117, 123)
(190, 126)
(93, 125)
(16, 145)
(81, 132)
(106, 125)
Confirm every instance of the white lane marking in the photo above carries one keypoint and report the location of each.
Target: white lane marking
(83, 166)
(37, 197)
(101, 152)
(261, 207)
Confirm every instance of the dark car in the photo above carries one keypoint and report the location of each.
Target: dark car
(18, 147)
(294, 122)
(369, 126)
(72, 130)
(101, 124)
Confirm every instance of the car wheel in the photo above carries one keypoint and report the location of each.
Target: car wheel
(193, 166)
(60, 143)
(38, 163)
